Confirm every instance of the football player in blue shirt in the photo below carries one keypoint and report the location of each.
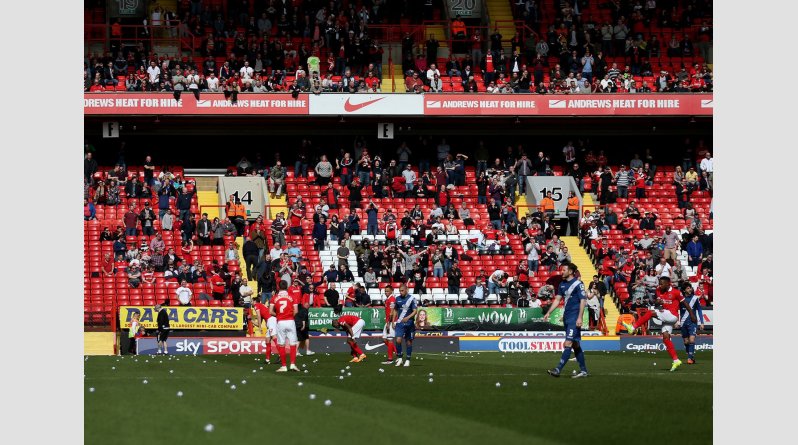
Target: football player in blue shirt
(689, 327)
(404, 313)
(573, 290)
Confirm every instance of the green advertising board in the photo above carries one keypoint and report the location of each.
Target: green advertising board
(443, 317)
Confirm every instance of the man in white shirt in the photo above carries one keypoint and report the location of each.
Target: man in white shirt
(259, 88)
(184, 294)
(246, 293)
(495, 281)
(231, 254)
(276, 251)
(246, 72)
(663, 268)
(570, 81)
(431, 72)
(706, 166)
(154, 72)
(213, 83)
(410, 177)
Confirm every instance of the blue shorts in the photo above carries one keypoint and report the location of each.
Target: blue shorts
(405, 330)
(689, 329)
(572, 332)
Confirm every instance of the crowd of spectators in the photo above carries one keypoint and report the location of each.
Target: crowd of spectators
(580, 46)
(413, 251)
(279, 47)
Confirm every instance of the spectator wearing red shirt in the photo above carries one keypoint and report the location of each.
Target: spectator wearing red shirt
(217, 286)
(96, 87)
(295, 221)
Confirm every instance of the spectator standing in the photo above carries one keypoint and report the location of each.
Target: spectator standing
(622, 180)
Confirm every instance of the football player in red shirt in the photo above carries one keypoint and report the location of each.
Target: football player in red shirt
(261, 313)
(284, 308)
(667, 311)
(353, 325)
(388, 331)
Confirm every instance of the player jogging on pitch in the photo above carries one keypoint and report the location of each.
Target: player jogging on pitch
(353, 325)
(388, 332)
(666, 310)
(284, 308)
(573, 290)
(262, 313)
(689, 329)
(404, 313)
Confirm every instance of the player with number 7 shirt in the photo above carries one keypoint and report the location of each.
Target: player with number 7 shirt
(284, 308)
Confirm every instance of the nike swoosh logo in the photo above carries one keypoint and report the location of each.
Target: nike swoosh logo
(371, 348)
(351, 108)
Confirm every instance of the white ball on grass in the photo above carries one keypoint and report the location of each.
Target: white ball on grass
(349, 374)
(113, 368)
(91, 389)
(226, 381)
(430, 380)
(498, 385)
(299, 384)
(144, 382)
(233, 387)
(430, 374)
(306, 371)
(655, 363)
(180, 393)
(171, 371)
(382, 370)
(312, 397)
(327, 402)
(341, 378)
(524, 384)
(243, 382)
(209, 427)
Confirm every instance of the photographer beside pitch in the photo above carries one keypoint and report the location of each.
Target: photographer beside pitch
(573, 290)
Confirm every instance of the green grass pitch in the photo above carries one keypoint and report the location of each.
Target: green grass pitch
(627, 399)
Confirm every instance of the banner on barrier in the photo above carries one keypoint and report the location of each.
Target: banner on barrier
(382, 104)
(654, 343)
(322, 318)
(517, 333)
(534, 344)
(209, 104)
(191, 317)
(438, 317)
(257, 345)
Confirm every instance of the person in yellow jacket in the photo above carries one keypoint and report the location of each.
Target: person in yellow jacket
(237, 214)
(572, 212)
(132, 334)
(547, 205)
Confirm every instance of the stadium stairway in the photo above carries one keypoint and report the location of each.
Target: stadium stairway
(580, 257)
(391, 77)
(441, 35)
(500, 10)
(207, 196)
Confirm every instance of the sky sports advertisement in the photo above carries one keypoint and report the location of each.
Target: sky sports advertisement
(257, 345)
(432, 342)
